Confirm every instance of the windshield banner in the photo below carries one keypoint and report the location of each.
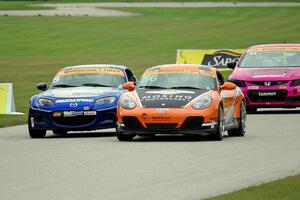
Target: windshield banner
(214, 57)
(95, 70)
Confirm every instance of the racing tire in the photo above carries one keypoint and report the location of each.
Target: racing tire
(35, 133)
(124, 137)
(251, 109)
(218, 134)
(59, 132)
(241, 129)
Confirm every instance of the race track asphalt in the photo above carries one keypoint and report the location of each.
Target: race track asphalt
(86, 166)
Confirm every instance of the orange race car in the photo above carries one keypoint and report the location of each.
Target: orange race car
(181, 99)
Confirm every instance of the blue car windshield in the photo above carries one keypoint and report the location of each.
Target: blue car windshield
(88, 80)
(268, 59)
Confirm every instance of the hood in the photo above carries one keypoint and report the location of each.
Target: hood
(266, 74)
(167, 98)
(79, 92)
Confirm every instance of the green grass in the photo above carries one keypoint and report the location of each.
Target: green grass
(285, 189)
(32, 49)
(21, 5)
(80, 1)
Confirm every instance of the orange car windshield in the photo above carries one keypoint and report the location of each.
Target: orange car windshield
(176, 80)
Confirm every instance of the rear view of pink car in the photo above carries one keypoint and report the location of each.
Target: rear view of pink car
(269, 76)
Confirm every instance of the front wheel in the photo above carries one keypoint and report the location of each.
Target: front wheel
(241, 129)
(125, 136)
(218, 134)
(35, 133)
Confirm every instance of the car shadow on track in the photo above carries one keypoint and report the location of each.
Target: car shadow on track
(82, 135)
(174, 138)
(285, 111)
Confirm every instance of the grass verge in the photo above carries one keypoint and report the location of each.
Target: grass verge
(20, 5)
(284, 189)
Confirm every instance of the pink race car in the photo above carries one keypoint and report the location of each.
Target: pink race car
(269, 76)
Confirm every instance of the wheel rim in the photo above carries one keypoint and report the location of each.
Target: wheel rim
(221, 126)
(243, 117)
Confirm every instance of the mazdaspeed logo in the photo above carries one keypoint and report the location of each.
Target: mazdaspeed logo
(73, 105)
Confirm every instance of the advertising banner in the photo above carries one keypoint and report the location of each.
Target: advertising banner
(214, 57)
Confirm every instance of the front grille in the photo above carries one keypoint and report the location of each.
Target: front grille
(192, 122)
(74, 121)
(293, 99)
(264, 95)
(132, 122)
(161, 127)
(267, 83)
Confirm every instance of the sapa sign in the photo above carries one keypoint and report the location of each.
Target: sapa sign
(213, 57)
(7, 103)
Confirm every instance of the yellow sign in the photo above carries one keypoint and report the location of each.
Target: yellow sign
(213, 57)
(3, 98)
(7, 103)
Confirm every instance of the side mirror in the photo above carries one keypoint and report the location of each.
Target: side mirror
(231, 65)
(129, 86)
(42, 86)
(228, 86)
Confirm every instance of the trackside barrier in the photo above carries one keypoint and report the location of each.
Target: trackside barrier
(7, 103)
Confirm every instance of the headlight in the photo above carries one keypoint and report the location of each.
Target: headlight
(45, 102)
(106, 100)
(238, 83)
(203, 102)
(127, 102)
(295, 82)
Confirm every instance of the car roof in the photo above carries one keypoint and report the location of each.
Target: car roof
(121, 67)
(269, 46)
(182, 66)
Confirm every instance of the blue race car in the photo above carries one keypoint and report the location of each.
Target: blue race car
(79, 98)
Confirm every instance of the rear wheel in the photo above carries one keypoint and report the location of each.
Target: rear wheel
(35, 133)
(218, 134)
(241, 129)
(125, 136)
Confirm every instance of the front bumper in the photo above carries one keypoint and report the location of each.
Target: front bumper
(41, 119)
(272, 96)
(203, 129)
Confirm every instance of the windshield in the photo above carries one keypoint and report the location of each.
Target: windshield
(169, 80)
(89, 77)
(271, 59)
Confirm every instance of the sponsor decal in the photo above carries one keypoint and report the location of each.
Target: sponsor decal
(90, 70)
(76, 100)
(88, 113)
(275, 49)
(264, 94)
(72, 113)
(170, 92)
(214, 57)
(166, 97)
(162, 110)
